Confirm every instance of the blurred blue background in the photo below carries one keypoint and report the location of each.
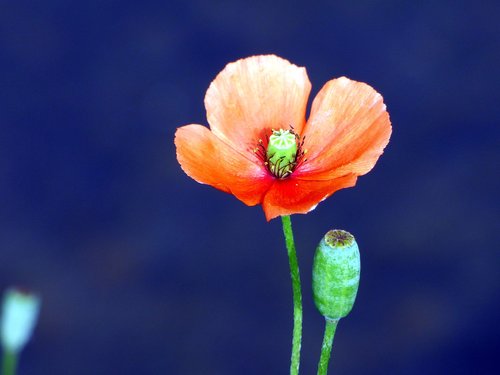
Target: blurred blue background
(144, 271)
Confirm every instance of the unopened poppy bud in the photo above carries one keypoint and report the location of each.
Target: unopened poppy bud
(19, 315)
(335, 275)
(282, 152)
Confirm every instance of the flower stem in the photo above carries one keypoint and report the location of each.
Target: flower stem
(297, 295)
(9, 362)
(326, 348)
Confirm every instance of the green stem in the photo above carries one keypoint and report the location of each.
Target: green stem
(297, 295)
(9, 362)
(326, 349)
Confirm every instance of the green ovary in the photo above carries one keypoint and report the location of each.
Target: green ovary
(281, 152)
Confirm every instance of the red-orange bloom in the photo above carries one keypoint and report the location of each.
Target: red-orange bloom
(345, 134)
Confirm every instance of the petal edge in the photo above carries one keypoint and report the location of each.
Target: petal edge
(253, 95)
(208, 160)
(298, 196)
(347, 131)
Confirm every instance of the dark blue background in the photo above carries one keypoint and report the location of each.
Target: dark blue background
(144, 271)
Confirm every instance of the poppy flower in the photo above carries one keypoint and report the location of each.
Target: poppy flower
(261, 149)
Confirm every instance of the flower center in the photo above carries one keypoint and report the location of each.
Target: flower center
(281, 152)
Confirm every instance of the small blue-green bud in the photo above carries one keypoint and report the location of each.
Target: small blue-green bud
(19, 315)
(281, 152)
(335, 274)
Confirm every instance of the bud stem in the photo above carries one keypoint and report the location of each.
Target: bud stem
(297, 295)
(326, 348)
(9, 362)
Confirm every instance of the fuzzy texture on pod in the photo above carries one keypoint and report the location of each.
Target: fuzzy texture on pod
(336, 271)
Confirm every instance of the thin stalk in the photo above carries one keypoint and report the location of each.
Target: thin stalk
(9, 362)
(297, 295)
(326, 348)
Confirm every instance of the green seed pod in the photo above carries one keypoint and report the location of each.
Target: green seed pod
(19, 315)
(335, 274)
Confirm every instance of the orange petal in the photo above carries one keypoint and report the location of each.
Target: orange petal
(208, 160)
(346, 132)
(253, 95)
(293, 195)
